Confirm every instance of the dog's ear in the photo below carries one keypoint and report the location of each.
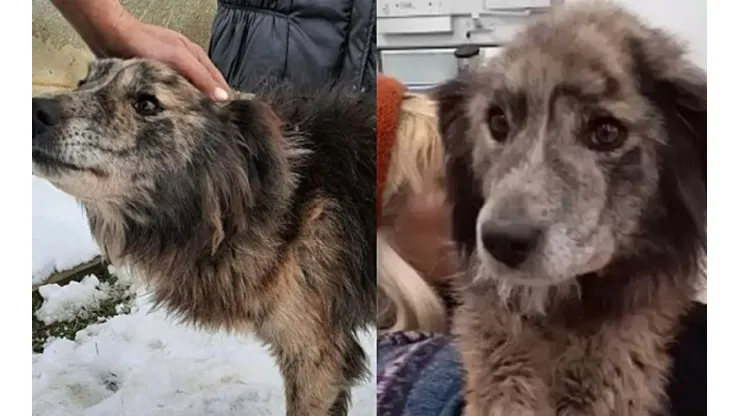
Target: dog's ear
(688, 86)
(451, 97)
(260, 134)
(678, 88)
(238, 167)
(462, 187)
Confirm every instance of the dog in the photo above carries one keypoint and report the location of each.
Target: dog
(576, 170)
(255, 215)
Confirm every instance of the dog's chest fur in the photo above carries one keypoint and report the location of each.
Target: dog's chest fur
(520, 366)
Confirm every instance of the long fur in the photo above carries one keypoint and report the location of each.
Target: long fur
(256, 215)
(568, 336)
(406, 299)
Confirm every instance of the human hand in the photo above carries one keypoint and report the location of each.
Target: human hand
(131, 38)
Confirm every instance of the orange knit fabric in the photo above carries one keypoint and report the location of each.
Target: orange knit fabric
(388, 107)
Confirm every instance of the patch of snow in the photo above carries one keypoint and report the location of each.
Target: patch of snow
(61, 235)
(143, 364)
(65, 303)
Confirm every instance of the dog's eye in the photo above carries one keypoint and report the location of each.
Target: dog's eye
(606, 134)
(498, 124)
(81, 82)
(147, 105)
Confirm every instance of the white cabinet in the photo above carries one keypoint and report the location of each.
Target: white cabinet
(422, 68)
(417, 38)
(516, 4)
(404, 8)
(401, 8)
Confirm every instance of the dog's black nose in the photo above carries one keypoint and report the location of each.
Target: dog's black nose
(46, 114)
(510, 244)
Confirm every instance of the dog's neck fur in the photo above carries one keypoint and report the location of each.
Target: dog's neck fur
(196, 234)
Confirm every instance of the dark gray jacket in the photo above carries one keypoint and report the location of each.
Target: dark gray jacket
(310, 42)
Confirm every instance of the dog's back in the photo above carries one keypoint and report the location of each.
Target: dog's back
(335, 126)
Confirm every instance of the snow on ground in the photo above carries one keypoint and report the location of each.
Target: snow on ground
(61, 236)
(65, 303)
(143, 364)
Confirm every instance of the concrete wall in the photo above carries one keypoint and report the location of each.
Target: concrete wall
(60, 57)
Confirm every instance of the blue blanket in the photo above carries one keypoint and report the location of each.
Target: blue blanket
(418, 375)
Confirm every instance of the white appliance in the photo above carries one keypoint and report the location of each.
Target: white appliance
(417, 39)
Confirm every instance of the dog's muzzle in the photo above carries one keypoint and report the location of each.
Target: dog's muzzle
(46, 114)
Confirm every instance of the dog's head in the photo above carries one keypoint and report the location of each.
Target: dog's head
(138, 140)
(581, 146)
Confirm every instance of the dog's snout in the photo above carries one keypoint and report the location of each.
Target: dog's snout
(510, 244)
(46, 114)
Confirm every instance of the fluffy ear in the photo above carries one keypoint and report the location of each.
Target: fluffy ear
(260, 138)
(686, 85)
(451, 97)
(689, 89)
(678, 88)
(463, 189)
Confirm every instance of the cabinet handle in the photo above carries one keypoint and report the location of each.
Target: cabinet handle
(505, 13)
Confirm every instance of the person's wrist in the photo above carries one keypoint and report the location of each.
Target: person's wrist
(114, 29)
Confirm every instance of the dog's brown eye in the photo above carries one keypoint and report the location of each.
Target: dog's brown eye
(81, 82)
(498, 124)
(606, 134)
(147, 105)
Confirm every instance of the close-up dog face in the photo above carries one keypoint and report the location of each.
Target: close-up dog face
(562, 148)
(146, 152)
(126, 120)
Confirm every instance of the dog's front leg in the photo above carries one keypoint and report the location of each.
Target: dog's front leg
(586, 385)
(318, 375)
(310, 385)
(311, 381)
(618, 372)
(500, 358)
(494, 390)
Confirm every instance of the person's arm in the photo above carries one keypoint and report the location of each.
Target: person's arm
(110, 31)
(96, 21)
